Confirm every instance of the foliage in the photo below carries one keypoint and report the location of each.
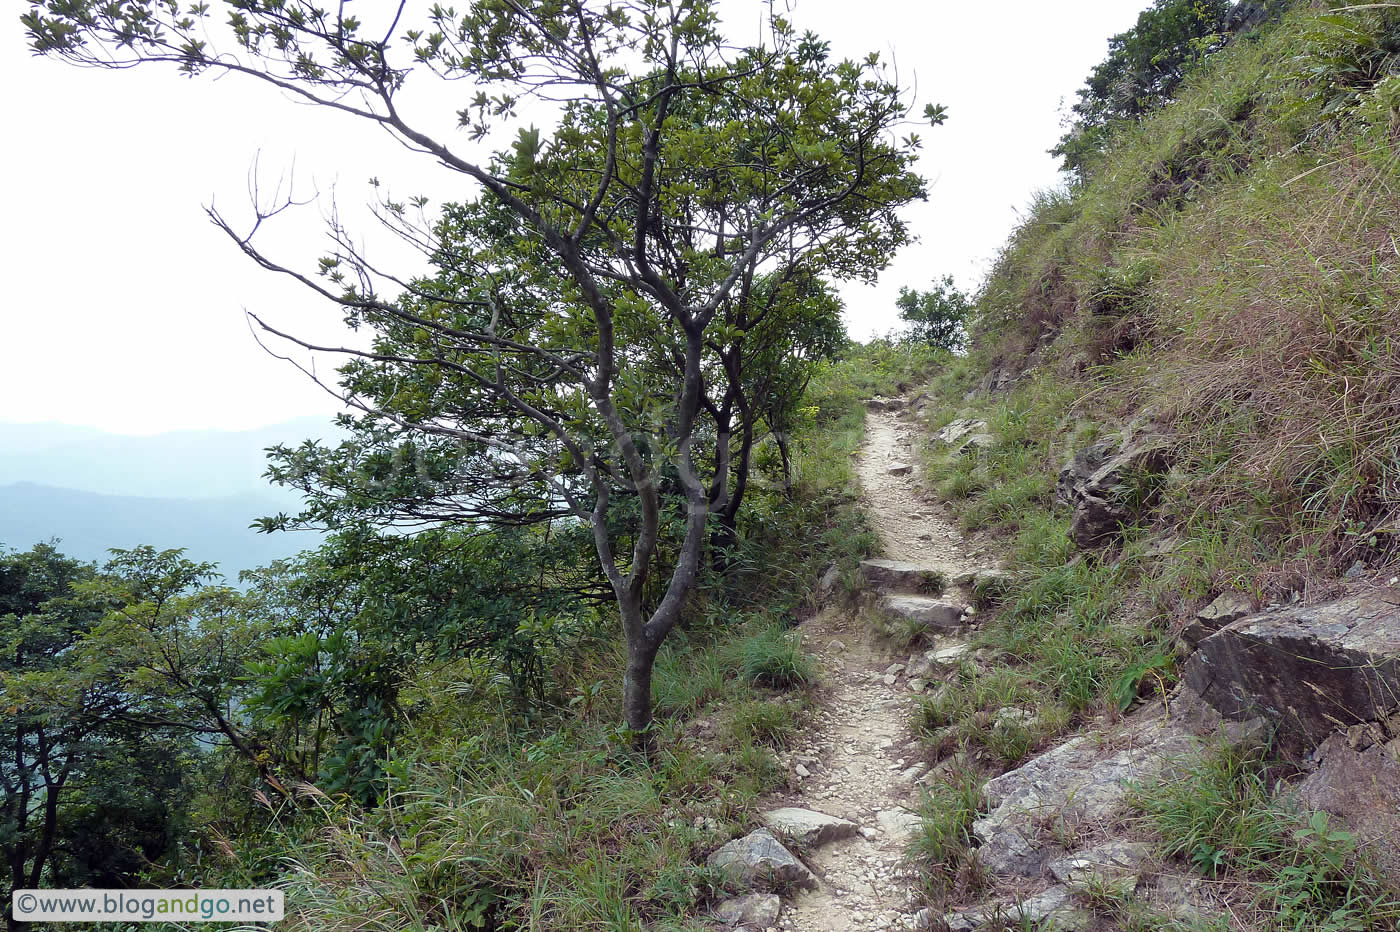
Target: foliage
(579, 347)
(937, 316)
(1145, 67)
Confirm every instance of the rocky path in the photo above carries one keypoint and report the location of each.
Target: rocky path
(860, 762)
(912, 527)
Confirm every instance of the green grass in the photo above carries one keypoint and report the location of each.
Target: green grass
(941, 849)
(1295, 870)
(771, 656)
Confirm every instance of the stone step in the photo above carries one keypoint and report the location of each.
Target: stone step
(944, 614)
(897, 576)
(807, 827)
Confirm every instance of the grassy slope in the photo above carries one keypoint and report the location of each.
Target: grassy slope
(1231, 274)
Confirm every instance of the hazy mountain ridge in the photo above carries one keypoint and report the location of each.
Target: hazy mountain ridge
(88, 524)
(179, 464)
(196, 489)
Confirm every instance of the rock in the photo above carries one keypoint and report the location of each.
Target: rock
(917, 684)
(836, 647)
(889, 679)
(1308, 669)
(1076, 472)
(926, 610)
(1082, 780)
(899, 824)
(894, 668)
(947, 658)
(1052, 909)
(753, 911)
(879, 403)
(1355, 571)
(1179, 896)
(977, 443)
(912, 774)
(1228, 607)
(957, 430)
(1101, 499)
(896, 576)
(759, 858)
(807, 827)
(802, 771)
(829, 579)
(1116, 864)
(1361, 788)
(918, 667)
(998, 379)
(899, 469)
(1008, 852)
(1007, 716)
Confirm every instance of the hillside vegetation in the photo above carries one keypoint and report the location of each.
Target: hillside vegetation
(1222, 276)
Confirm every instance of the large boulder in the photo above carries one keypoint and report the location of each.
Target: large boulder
(1083, 780)
(807, 827)
(1308, 669)
(1359, 783)
(1104, 499)
(759, 858)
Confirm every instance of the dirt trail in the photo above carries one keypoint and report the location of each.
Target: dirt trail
(861, 755)
(912, 526)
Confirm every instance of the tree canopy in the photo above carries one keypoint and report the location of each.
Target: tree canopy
(584, 337)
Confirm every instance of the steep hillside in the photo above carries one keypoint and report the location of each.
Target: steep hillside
(1181, 413)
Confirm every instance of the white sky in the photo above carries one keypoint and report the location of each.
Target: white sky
(124, 305)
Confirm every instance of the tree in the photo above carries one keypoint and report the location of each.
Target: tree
(937, 317)
(554, 366)
(1144, 67)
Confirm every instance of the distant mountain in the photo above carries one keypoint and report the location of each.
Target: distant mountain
(179, 464)
(88, 524)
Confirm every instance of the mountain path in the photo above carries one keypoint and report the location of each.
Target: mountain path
(861, 755)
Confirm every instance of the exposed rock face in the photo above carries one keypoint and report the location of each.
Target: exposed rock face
(935, 613)
(1103, 501)
(1308, 669)
(900, 824)
(759, 858)
(1115, 864)
(957, 430)
(807, 827)
(1228, 607)
(1082, 780)
(906, 577)
(1362, 788)
(1052, 909)
(754, 911)
(1080, 467)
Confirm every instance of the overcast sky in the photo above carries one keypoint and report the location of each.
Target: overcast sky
(124, 305)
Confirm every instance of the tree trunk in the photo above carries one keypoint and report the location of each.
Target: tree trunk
(636, 690)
